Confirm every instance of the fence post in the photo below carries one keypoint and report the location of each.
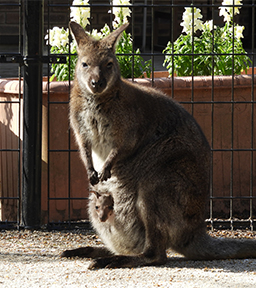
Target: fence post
(32, 123)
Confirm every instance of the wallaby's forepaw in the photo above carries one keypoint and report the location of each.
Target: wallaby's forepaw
(105, 175)
(93, 177)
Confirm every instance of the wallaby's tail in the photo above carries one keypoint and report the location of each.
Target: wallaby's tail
(204, 247)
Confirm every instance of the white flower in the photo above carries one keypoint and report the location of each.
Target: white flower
(80, 14)
(238, 31)
(73, 47)
(208, 25)
(223, 12)
(121, 13)
(190, 16)
(58, 37)
(95, 34)
(227, 12)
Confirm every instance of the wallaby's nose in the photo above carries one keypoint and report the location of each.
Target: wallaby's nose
(103, 217)
(93, 83)
(98, 86)
(99, 83)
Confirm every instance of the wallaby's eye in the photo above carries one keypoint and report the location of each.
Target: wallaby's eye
(84, 65)
(110, 65)
(96, 207)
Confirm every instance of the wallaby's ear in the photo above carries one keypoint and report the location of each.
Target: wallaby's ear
(95, 193)
(111, 40)
(79, 34)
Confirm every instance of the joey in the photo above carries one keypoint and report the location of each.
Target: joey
(104, 205)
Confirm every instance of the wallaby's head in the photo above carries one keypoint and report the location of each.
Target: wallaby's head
(104, 205)
(97, 69)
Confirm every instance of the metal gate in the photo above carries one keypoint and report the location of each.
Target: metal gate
(42, 180)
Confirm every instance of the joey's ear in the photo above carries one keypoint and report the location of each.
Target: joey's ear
(79, 34)
(111, 40)
(95, 193)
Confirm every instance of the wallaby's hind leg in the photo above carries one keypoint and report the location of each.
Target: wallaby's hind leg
(154, 252)
(105, 259)
(87, 252)
(124, 261)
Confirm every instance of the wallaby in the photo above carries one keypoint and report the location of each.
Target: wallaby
(102, 206)
(155, 163)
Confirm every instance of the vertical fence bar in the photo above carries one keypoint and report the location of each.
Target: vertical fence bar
(48, 120)
(212, 122)
(152, 41)
(172, 41)
(231, 214)
(69, 139)
(20, 120)
(252, 181)
(32, 97)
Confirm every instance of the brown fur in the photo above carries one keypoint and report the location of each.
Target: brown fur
(154, 160)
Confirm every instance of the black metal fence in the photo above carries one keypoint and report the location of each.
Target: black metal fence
(42, 180)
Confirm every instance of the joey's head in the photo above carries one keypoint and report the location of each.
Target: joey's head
(97, 69)
(104, 205)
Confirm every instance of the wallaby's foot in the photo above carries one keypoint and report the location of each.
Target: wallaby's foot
(80, 252)
(93, 177)
(86, 252)
(121, 261)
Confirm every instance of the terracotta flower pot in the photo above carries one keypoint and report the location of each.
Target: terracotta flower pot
(57, 163)
(213, 107)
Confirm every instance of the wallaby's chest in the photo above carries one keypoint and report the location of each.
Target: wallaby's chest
(95, 124)
(98, 129)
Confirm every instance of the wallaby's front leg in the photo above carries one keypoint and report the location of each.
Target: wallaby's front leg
(86, 155)
(106, 170)
(92, 173)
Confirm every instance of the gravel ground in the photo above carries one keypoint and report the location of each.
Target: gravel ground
(31, 259)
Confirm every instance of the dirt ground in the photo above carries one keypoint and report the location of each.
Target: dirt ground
(31, 259)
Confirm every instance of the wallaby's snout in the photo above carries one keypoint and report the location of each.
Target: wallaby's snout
(104, 214)
(97, 81)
